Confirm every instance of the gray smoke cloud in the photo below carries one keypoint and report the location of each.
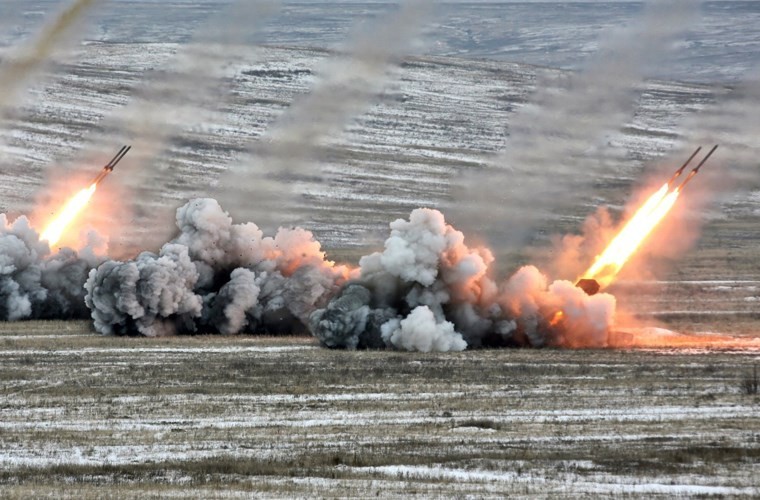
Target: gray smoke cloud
(282, 164)
(36, 283)
(557, 146)
(215, 277)
(428, 291)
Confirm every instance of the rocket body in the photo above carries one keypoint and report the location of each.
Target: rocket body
(108, 168)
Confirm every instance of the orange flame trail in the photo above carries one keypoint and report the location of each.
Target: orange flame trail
(633, 234)
(71, 209)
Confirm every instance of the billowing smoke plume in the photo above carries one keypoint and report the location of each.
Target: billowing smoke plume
(38, 284)
(429, 291)
(215, 277)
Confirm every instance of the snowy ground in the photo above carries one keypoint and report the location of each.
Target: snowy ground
(284, 417)
(235, 416)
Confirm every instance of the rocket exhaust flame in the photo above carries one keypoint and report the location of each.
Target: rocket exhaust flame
(633, 234)
(643, 222)
(71, 209)
(75, 205)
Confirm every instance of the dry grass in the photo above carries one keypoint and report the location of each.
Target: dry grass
(751, 382)
(88, 416)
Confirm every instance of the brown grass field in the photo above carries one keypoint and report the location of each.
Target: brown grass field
(88, 416)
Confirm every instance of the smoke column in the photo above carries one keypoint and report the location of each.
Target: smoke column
(346, 85)
(548, 163)
(27, 61)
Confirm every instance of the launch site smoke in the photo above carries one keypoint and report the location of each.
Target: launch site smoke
(215, 276)
(429, 291)
(426, 291)
(36, 283)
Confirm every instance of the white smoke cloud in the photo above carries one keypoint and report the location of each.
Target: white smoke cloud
(235, 299)
(421, 332)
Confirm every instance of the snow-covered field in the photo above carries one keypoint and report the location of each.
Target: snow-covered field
(85, 416)
(94, 415)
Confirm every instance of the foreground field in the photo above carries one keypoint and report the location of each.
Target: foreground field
(88, 416)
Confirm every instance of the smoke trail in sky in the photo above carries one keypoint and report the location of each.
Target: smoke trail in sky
(192, 88)
(261, 187)
(28, 60)
(556, 144)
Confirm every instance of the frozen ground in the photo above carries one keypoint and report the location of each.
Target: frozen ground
(88, 415)
(81, 415)
(721, 43)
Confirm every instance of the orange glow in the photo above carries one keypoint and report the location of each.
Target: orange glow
(71, 209)
(557, 318)
(608, 264)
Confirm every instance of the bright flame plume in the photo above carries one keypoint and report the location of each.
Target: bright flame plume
(73, 207)
(608, 263)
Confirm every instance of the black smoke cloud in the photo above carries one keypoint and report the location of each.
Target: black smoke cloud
(428, 291)
(36, 283)
(215, 277)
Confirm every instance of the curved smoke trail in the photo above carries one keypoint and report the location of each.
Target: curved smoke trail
(28, 60)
